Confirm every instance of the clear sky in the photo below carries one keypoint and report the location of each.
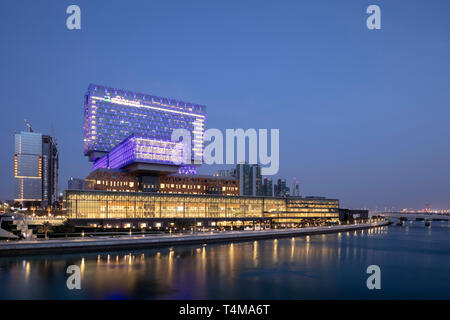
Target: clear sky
(363, 114)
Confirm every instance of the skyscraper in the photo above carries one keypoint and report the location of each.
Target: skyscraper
(267, 187)
(257, 189)
(250, 180)
(295, 191)
(243, 172)
(280, 189)
(50, 166)
(35, 168)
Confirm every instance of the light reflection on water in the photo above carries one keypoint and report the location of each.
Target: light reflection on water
(412, 260)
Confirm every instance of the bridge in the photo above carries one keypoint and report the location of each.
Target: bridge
(415, 216)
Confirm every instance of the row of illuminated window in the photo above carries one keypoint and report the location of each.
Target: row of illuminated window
(166, 210)
(116, 183)
(191, 186)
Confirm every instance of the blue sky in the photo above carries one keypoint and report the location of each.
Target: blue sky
(363, 115)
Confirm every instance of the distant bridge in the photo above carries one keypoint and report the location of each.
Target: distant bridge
(414, 216)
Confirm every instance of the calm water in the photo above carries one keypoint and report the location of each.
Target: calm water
(414, 263)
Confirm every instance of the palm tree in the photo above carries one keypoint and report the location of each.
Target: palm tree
(67, 227)
(45, 228)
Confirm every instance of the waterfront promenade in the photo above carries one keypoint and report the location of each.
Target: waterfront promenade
(103, 243)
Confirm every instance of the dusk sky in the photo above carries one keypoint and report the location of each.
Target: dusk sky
(363, 114)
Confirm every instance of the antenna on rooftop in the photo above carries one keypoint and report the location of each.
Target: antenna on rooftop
(28, 125)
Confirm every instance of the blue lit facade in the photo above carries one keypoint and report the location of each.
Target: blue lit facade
(113, 115)
(142, 150)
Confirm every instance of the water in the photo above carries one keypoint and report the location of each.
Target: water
(414, 262)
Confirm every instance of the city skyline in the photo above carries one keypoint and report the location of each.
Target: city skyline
(372, 140)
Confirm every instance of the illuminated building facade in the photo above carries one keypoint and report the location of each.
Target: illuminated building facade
(303, 211)
(128, 137)
(35, 168)
(198, 184)
(319, 206)
(121, 180)
(141, 150)
(113, 115)
(104, 208)
(112, 180)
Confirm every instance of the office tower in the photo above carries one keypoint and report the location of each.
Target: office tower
(50, 164)
(35, 169)
(257, 189)
(243, 175)
(76, 184)
(295, 191)
(249, 177)
(267, 187)
(121, 120)
(280, 189)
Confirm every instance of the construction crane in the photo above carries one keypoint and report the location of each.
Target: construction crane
(28, 125)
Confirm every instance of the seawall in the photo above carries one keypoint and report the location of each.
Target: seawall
(135, 242)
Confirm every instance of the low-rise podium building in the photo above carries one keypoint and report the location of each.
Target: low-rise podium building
(137, 209)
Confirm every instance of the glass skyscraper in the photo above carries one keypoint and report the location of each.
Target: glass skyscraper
(50, 166)
(27, 166)
(35, 168)
(113, 115)
(250, 180)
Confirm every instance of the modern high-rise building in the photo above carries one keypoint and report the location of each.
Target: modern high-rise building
(295, 191)
(128, 137)
(243, 175)
(138, 128)
(257, 189)
(280, 189)
(50, 166)
(250, 180)
(267, 187)
(35, 168)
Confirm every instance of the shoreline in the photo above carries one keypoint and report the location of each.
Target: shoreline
(139, 242)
